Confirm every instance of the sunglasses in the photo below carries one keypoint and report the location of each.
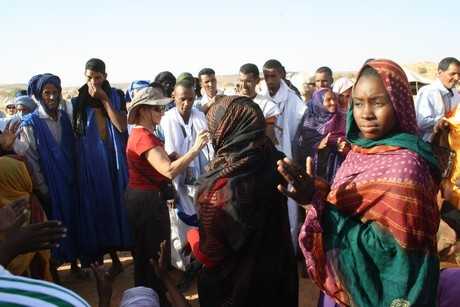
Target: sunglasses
(11, 106)
(159, 109)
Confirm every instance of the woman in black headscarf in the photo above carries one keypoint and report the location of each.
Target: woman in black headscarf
(243, 238)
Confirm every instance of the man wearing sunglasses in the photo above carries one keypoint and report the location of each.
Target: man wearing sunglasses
(10, 109)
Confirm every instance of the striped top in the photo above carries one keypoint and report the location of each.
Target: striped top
(21, 291)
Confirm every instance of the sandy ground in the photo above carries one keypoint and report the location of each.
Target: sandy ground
(308, 292)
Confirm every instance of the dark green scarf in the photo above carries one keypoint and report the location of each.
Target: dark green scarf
(400, 139)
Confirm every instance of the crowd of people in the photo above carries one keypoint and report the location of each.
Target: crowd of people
(353, 178)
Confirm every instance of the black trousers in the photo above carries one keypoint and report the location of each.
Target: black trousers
(149, 219)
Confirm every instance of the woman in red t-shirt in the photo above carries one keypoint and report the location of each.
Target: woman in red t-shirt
(150, 168)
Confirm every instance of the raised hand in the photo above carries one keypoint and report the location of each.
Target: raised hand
(323, 143)
(30, 238)
(301, 184)
(160, 266)
(342, 145)
(35, 237)
(9, 135)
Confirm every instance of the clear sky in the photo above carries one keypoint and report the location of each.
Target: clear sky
(139, 38)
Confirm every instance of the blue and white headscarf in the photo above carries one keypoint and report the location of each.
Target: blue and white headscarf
(25, 101)
(134, 87)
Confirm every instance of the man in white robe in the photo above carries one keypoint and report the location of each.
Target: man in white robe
(291, 111)
(247, 83)
(181, 125)
(208, 83)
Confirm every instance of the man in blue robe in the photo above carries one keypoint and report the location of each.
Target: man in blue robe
(47, 142)
(99, 121)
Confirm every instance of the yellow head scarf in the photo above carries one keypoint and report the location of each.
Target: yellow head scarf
(15, 181)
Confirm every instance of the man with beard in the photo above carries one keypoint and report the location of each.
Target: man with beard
(46, 141)
(99, 121)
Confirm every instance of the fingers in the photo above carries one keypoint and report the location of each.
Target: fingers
(7, 126)
(14, 127)
(20, 205)
(162, 247)
(283, 190)
(45, 225)
(162, 252)
(20, 219)
(286, 171)
(35, 247)
(309, 166)
(48, 231)
(290, 194)
(204, 135)
(155, 265)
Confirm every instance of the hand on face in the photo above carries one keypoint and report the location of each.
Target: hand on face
(97, 92)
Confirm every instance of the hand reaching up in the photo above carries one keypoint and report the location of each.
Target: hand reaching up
(301, 184)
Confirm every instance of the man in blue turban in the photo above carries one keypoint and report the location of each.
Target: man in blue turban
(24, 105)
(47, 142)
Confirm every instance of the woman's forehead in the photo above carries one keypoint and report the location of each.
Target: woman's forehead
(369, 86)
